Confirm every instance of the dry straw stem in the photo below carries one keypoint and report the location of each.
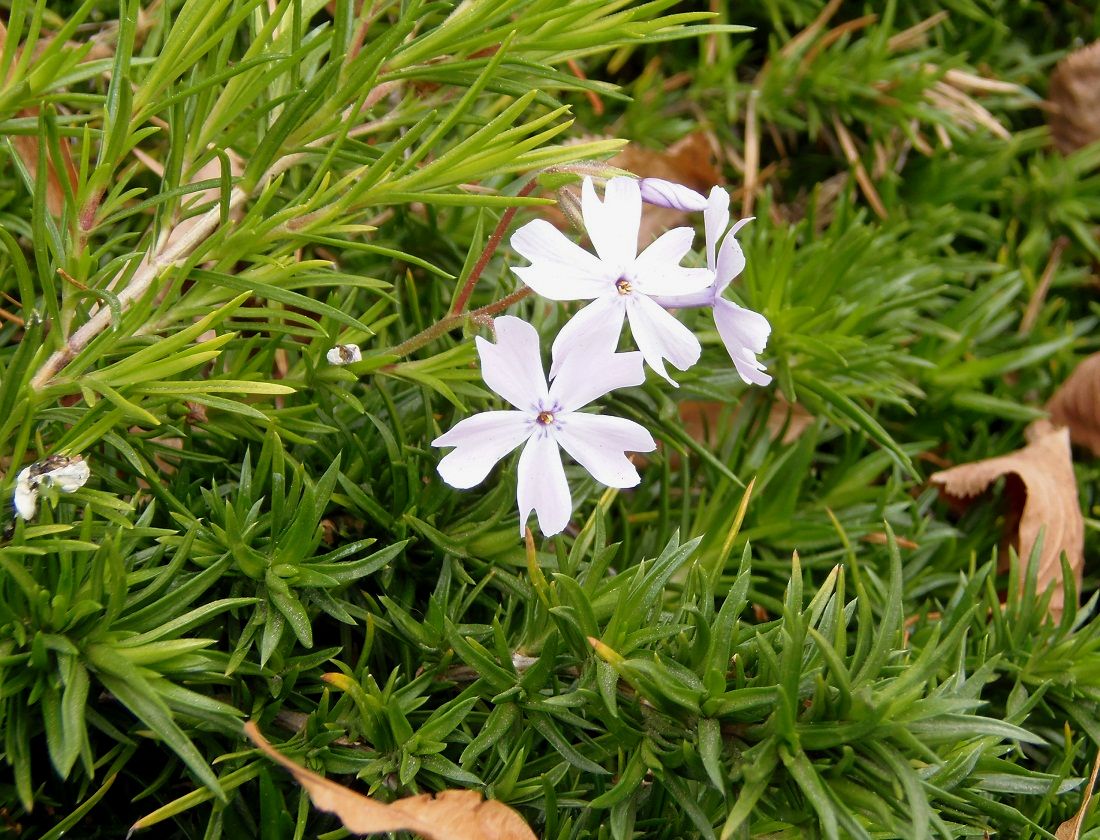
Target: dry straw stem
(1042, 498)
(862, 178)
(449, 815)
(1039, 296)
(176, 243)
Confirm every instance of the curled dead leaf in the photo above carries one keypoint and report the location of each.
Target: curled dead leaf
(1071, 828)
(1076, 404)
(1075, 99)
(449, 815)
(1042, 493)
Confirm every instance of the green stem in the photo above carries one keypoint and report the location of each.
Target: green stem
(457, 319)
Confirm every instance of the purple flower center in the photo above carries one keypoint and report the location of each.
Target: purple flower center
(622, 285)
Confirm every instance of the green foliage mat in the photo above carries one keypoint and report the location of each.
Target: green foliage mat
(200, 198)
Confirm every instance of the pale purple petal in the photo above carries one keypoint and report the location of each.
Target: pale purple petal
(594, 330)
(657, 270)
(542, 486)
(584, 377)
(598, 444)
(554, 283)
(745, 333)
(731, 262)
(751, 371)
(481, 441)
(716, 218)
(560, 269)
(740, 223)
(513, 366)
(662, 193)
(664, 252)
(675, 281)
(613, 223)
(660, 336)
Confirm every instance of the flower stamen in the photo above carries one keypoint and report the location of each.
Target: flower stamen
(622, 286)
(545, 418)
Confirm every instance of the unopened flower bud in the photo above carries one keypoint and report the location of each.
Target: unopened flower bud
(664, 193)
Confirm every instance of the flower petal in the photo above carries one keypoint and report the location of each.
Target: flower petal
(745, 333)
(613, 224)
(657, 270)
(587, 376)
(731, 262)
(660, 336)
(716, 218)
(560, 269)
(481, 441)
(598, 444)
(542, 486)
(513, 366)
(593, 330)
(662, 193)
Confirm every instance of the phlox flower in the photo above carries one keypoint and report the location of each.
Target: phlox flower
(618, 280)
(545, 419)
(743, 332)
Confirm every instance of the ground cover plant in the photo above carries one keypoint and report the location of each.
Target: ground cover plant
(251, 254)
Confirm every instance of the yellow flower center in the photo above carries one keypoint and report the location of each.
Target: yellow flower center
(545, 418)
(623, 286)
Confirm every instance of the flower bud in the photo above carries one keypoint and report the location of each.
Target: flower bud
(664, 193)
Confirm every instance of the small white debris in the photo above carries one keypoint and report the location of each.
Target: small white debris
(344, 354)
(67, 474)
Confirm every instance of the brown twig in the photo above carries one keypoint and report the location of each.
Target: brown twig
(752, 154)
(1035, 304)
(490, 249)
(862, 178)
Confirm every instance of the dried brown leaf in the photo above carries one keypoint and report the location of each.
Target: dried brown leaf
(27, 147)
(1075, 99)
(1076, 405)
(449, 815)
(1071, 828)
(1042, 493)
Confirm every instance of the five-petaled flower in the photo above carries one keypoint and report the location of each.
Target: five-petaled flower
(546, 418)
(743, 332)
(618, 280)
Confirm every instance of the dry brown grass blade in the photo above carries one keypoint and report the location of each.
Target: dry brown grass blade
(866, 185)
(1042, 494)
(449, 815)
(810, 32)
(1071, 828)
(1076, 405)
(752, 154)
(1075, 100)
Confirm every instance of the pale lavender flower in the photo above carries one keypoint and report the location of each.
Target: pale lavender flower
(662, 193)
(546, 418)
(618, 280)
(743, 332)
